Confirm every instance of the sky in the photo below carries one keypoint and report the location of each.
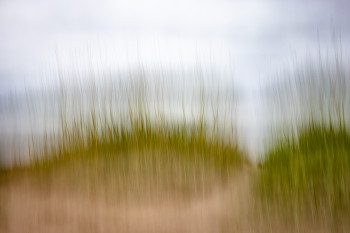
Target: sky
(252, 37)
(248, 41)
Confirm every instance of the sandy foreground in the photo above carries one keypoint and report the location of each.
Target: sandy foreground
(228, 209)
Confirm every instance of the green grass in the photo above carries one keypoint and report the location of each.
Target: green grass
(309, 177)
(141, 161)
(306, 177)
(135, 152)
(133, 149)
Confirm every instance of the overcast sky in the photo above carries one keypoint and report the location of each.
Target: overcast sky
(253, 37)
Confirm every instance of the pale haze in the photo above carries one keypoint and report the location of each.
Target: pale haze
(252, 36)
(253, 39)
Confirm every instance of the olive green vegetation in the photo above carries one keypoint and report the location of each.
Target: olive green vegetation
(142, 160)
(307, 176)
(130, 152)
(310, 175)
(140, 152)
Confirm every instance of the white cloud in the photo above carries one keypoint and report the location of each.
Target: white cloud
(253, 31)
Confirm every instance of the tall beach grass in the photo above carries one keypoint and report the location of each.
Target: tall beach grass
(130, 136)
(306, 174)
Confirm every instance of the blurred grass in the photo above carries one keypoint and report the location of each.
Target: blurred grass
(138, 152)
(306, 176)
(310, 174)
